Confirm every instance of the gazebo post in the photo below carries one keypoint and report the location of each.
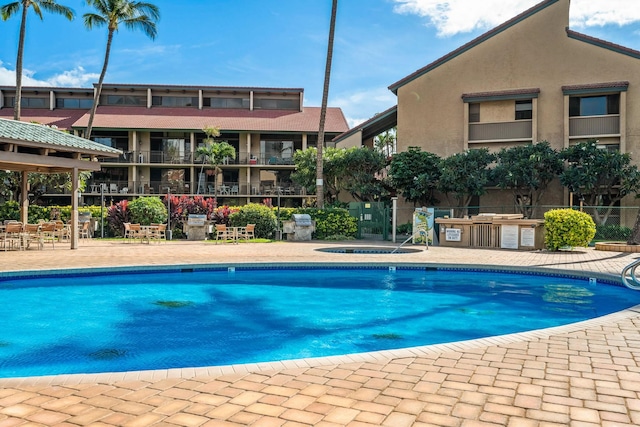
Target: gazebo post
(24, 203)
(74, 208)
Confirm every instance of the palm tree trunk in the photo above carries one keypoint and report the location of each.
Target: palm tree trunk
(17, 102)
(323, 109)
(96, 96)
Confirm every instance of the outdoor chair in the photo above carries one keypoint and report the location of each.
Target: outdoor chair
(33, 234)
(247, 232)
(223, 233)
(49, 233)
(85, 230)
(158, 232)
(11, 237)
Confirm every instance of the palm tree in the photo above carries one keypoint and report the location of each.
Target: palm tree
(134, 15)
(10, 9)
(323, 109)
(215, 152)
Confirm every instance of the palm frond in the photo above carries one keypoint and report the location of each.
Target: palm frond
(10, 9)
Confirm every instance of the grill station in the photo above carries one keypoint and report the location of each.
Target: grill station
(299, 228)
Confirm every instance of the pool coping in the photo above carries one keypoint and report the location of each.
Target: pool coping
(374, 356)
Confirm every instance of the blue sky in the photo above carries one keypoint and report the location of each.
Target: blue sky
(283, 43)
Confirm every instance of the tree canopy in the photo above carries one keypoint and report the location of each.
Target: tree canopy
(465, 175)
(527, 170)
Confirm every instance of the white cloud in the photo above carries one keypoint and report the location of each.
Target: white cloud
(451, 17)
(71, 78)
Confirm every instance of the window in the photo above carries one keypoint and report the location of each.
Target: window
(276, 104)
(474, 113)
(115, 139)
(125, 100)
(594, 105)
(229, 102)
(174, 101)
(27, 102)
(524, 110)
(74, 103)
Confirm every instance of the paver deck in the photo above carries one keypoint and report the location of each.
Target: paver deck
(580, 375)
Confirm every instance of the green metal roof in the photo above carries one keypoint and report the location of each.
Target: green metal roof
(61, 141)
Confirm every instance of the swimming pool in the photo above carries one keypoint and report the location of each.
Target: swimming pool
(110, 321)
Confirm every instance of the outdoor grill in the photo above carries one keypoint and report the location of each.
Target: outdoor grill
(300, 227)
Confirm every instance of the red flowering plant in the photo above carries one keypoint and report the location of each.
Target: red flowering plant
(181, 206)
(117, 215)
(221, 215)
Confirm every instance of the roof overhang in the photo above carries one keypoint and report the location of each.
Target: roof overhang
(516, 94)
(372, 127)
(36, 148)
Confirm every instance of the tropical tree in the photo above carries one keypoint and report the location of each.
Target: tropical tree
(10, 9)
(415, 174)
(465, 175)
(323, 108)
(134, 15)
(599, 176)
(215, 152)
(356, 170)
(527, 170)
(386, 142)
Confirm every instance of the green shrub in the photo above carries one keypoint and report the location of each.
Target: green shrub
(147, 210)
(332, 222)
(10, 210)
(260, 215)
(612, 232)
(567, 228)
(406, 228)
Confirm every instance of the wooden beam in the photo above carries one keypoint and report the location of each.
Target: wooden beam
(30, 162)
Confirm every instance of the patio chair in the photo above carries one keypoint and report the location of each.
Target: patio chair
(11, 238)
(113, 188)
(158, 232)
(247, 232)
(33, 234)
(49, 233)
(223, 233)
(85, 230)
(127, 230)
(234, 189)
(61, 230)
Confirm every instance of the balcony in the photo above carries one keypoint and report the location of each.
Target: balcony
(594, 126)
(226, 189)
(505, 131)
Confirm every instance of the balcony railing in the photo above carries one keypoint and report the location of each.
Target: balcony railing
(594, 125)
(520, 129)
(226, 189)
(165, 157)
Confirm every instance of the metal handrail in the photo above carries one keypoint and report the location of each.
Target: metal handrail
(631, 268)
(417, 233)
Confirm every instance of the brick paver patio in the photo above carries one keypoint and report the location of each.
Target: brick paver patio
(581, 375)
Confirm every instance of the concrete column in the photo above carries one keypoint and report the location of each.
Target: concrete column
(24, 202)
(74, 208)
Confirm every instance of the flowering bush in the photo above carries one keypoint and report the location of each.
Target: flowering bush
(567, 228)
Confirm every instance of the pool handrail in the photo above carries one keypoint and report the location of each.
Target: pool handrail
(631, 268)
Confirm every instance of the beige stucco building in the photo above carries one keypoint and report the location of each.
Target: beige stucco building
(527, 80)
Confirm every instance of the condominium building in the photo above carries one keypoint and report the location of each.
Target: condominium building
(527, 80)
(159, 128)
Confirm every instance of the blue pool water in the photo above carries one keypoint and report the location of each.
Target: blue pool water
(120, 322)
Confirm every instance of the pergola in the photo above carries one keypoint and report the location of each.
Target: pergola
(30, 147)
